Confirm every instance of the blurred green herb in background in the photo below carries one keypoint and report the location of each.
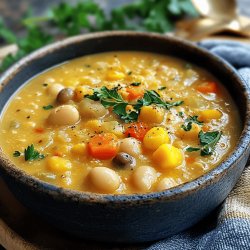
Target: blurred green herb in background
(87, 16)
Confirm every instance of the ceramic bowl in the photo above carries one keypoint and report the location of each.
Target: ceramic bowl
(137, 217)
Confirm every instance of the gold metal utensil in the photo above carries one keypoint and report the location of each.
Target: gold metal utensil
(217, 16)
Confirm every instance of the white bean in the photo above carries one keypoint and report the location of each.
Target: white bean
(64, 115)
(130, 146)
(166, 183)
(144, 177)
(105, 180)
(91, 109)
(54, 89)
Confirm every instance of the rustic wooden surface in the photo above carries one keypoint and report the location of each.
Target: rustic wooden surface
(19, 228)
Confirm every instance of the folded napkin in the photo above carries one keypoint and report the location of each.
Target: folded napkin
(229, 226)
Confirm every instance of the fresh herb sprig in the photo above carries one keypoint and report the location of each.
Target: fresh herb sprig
(111, 98)
(187, 126)
(86, 16)
(208, 141)
(30, 154)
(48, 107)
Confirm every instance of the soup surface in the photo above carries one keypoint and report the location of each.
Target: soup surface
(120, 123)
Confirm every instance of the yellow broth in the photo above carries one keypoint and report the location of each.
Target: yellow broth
(68, 161)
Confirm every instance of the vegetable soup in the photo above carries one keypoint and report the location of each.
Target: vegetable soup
(120, 123)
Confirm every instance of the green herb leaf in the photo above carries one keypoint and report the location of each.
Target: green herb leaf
(48, 107)
(191, 149)
(181, 114)
(187, 126)
(162, 88)
(31, 154)
(135, 84)
(208, 141)
(111, 98)
(16, 154)
(87, 16)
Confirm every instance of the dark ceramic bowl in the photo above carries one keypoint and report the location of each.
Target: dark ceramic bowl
(138, 217)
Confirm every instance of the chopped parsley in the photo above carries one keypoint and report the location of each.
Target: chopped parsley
(181, 114)
(135, 84)
(129, 73)
(111, 98)
(208, 141)
(162, 88)
(16, 154)
(187, 126)
(48, 107)
(31, 154)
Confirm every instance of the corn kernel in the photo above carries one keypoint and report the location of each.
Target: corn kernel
(81, 91)
(209, 114)
(79, 149)
(168, 156)
(151, 114)
(115, 75)
(155, 137)
(94, 125)
(58, 165)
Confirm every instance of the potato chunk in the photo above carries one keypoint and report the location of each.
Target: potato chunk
(155, 137)
(151, 114)
(168, 156)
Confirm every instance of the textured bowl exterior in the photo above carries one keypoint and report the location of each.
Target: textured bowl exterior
(138, 217)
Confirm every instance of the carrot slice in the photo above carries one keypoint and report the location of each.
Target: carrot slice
(103, 146)
(134, 93)
(137, 130)
(207, 87)
(39, 130)
(190, 160)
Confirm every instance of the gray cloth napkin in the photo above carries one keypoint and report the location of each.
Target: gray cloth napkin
(229, 226)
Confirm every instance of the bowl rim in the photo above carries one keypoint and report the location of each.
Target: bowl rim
(183, 190)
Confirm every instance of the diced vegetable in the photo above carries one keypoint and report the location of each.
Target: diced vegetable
(168, 156)
(81, 91)
(91, 109)
(207, 87)
(115, 75)
(155, 137)
(134, 93)
(209, 114)
(103, 146)
(137, 130)
(58, 165)
(151, 114)
(191, 134)
(79, 149)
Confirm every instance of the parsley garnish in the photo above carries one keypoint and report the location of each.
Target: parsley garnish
(162, 88)
(16, 154)
(181, 114)
(208, 141)
(48, 107)
(111, 98)
(187, 126)
(135, 84)
(66, 20)
(129, 73)
(31, 154)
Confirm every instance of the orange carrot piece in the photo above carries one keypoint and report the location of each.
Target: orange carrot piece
(207, 87)
(39, 130)
(137, 130)
(134, 93)
(103, 146)
(190, 160)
